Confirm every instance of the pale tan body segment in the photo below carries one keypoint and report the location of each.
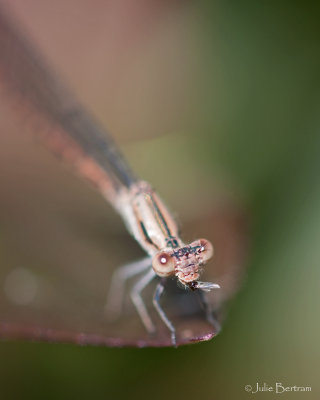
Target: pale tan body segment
(147, 218)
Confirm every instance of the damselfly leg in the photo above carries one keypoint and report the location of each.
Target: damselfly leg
(116, 294)
(138, 301)
(210, 316)
(156, 302)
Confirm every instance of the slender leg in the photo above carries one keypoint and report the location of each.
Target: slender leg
(209, 313)
(115, 298)
(138, 301)
(156, 302)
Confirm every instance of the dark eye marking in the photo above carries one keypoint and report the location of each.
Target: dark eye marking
(186, 251)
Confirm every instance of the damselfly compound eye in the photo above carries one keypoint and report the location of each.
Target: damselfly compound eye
(206, 249)
(163, 264)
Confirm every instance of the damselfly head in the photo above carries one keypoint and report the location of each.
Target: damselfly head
(185, 262)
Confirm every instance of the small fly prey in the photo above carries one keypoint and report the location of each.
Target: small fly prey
(78, 139)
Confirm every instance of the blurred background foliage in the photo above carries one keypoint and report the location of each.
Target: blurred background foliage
(228, 92)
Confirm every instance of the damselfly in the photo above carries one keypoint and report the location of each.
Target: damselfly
(77, 138)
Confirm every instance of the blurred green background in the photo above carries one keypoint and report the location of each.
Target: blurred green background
(235, 86)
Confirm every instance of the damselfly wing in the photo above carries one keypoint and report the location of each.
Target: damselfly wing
(61, 242)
